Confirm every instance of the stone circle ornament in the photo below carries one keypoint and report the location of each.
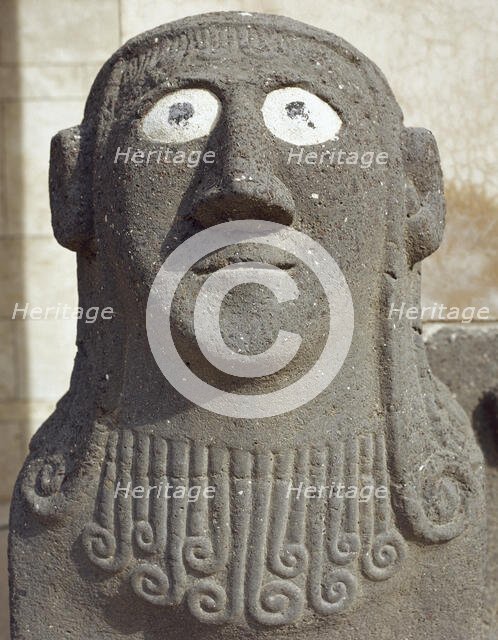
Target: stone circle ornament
(147, 510)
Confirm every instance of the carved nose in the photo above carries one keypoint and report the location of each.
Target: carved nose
(244, 194)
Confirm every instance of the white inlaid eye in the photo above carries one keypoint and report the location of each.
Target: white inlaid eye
(299, 117)
(181, 116)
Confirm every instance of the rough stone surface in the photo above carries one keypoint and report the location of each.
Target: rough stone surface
(252, 563)
(466, 359)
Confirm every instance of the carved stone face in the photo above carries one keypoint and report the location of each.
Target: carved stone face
(288, 125)
(278, 130)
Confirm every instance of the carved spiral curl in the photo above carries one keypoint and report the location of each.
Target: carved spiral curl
(144, 536)
(150, 583)
(384, 558)
(281, 602)
(437, 501)
(42, 486)
(334, 595)
(207, 602)
(101, 548)
(345, 548)
(291, 560)
(99, 544)
(199, 554)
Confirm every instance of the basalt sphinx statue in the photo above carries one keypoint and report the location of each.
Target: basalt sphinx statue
(97, 550)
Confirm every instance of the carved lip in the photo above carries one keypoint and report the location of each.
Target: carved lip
(216, 261)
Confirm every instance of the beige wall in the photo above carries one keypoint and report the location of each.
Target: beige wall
(438, 57)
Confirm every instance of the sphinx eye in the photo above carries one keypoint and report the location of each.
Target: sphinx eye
(181, 116)
(299, 117)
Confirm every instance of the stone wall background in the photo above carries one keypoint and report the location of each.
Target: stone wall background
(439, 57)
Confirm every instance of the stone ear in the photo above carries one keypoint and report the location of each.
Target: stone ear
(425, 203)
(70, 191)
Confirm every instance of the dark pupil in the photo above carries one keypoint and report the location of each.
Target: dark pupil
(180, 112)
(297, 110)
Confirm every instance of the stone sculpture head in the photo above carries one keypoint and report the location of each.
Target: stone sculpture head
(241, 86)
(260, 109)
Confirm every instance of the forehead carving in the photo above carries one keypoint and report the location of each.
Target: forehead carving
(227, 42)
